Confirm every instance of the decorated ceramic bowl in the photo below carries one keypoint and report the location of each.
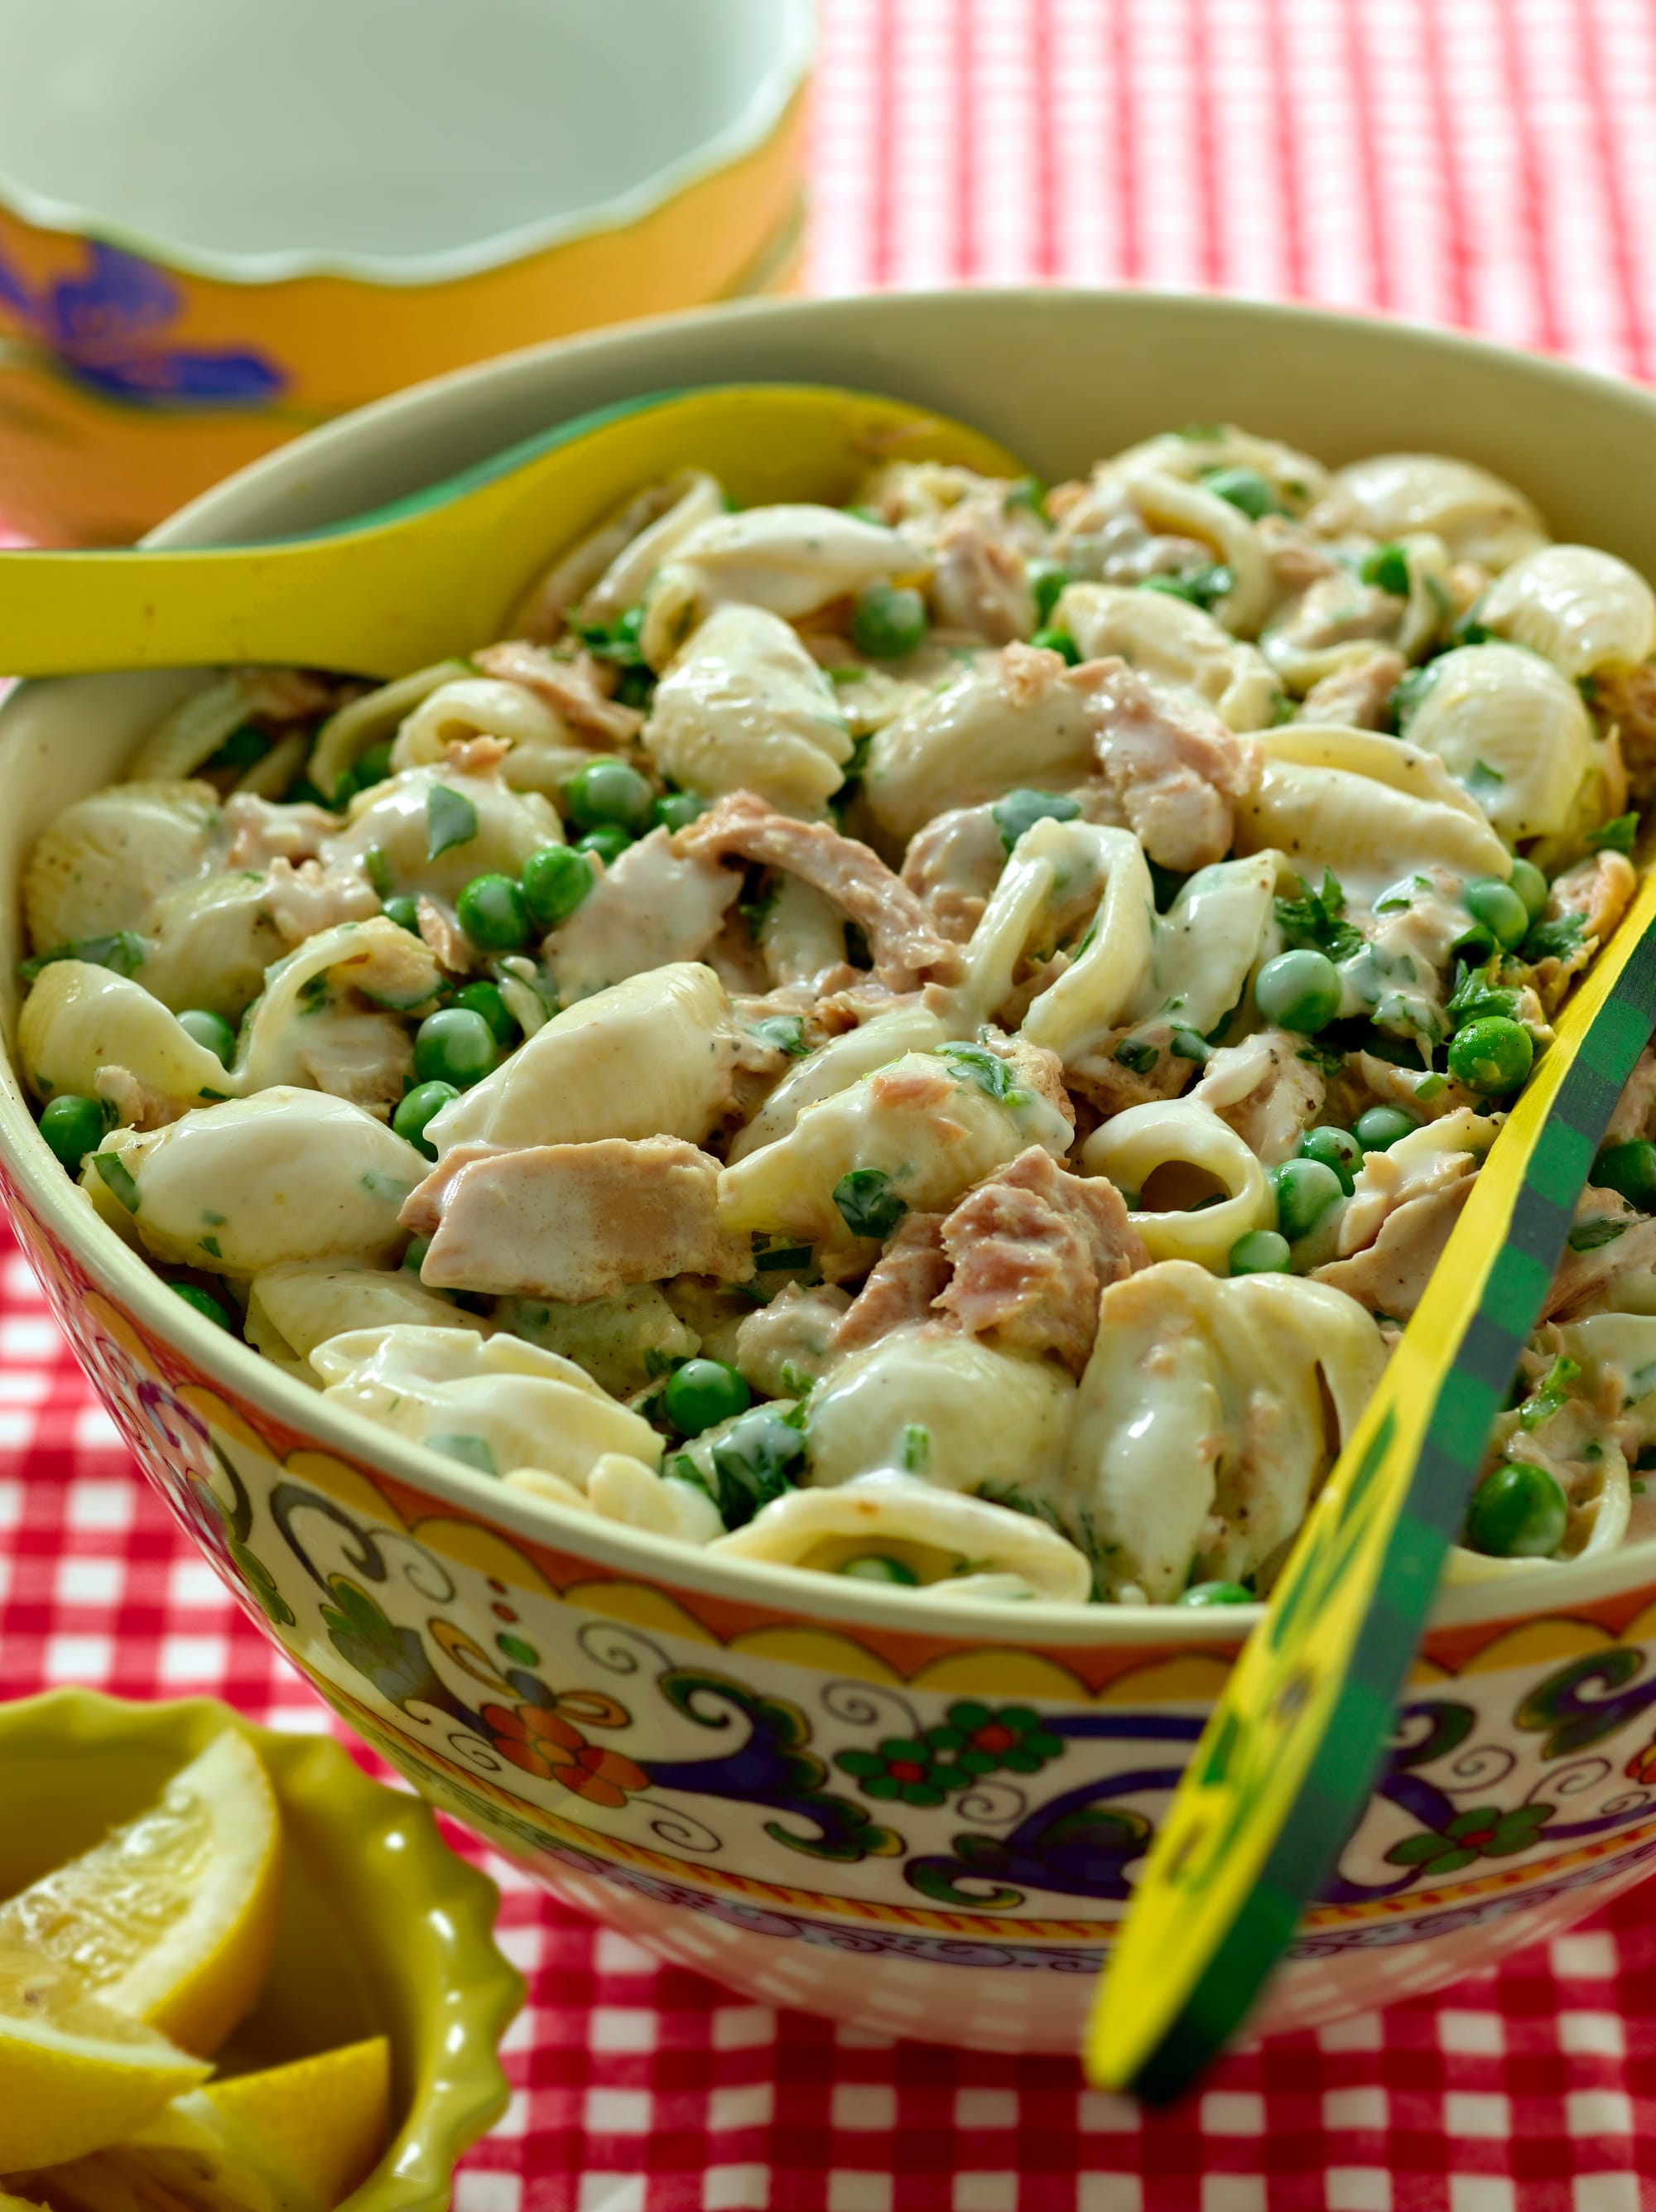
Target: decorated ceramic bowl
(367, 1885)
(220, 226)
(918, 1814)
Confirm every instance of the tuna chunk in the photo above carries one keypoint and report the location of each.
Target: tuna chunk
(1357, 696)
(907, 949)
(1031, 1248)
(574, 1222)
(904, 1285)
(1173, 764)
(571, 688)
(1390, 1275)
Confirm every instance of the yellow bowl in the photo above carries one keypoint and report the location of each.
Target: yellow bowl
(691, 1745)
(221, 227)
(384, 1932)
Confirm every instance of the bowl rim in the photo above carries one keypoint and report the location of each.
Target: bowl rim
(1534, 1590)
(794, 23)
(468, 2091)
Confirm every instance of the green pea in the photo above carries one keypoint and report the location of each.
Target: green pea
(676, 810)
(210, 1030)
(1057, 640)
(1048, 580)
(423, 1104)
(875, 1567)
(554, 881)
(1299, 991)
(414, 1258)
(453, 1046)
(1491, 1054)
(486, 999)
(1261, 1252)
(1379, 1128)
(241, 749)
(1518, 1512)
(1245, 489)
(1305, 1190)
(73, 1126)
(205, 1304)
(703, 1393)
(404, 911)
(609, 794)
(1387, 569)
(1475, 945)
(1532, 886)
(493, 914)
(1631, 1170)
(887, 620)
(1336, 1148)
(1216, 1593)
(608, 842)
(1500, 908)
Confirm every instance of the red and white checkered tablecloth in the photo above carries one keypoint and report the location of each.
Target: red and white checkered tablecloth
(1486, 162)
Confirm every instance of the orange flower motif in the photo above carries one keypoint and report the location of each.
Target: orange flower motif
(543, 1742)
(1641, 1767)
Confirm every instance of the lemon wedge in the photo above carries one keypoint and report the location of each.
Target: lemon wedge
(172, 1918)
(297, 2138)
(75, 2073)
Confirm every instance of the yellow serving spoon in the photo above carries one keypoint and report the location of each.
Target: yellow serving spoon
(442, 572)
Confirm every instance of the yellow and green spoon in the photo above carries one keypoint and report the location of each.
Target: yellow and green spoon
(1287, 1760)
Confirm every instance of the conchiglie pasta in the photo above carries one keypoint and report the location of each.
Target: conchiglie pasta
(1171, 1156)
(1174, 642)
(1580, 608)
(1103, 873)
(984, 733)
(1202, 1420)
(1207, 943)
(976, 1417)
(347, 735)
(835, 1067)
(690, 499)
(649, 1057)
(1372, 809)
(1295, 477)
(330, 1017)
(292, 1308)
(494, 1403)
(955, 1544)
(1478, 516)
(789, 560)
(405, 817)
(744, 708)
(289, 1174)
(79, 1020)
(101, 865)
(931, 1131)
(183, 740)
(1512, 733)
(544, 754)
(1170, 503)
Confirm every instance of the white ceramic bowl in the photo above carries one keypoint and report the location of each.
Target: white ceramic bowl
(918, 1815)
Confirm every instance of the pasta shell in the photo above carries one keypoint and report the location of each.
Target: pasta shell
(1579, 607)
(1175, 643)
(1512, 733)
(1297, 480)
(543, 755)
(1186, 1151)
(78, 1020)
(101, 865)
(292, 1308)
(1478, 516)
(396, 818)
(347, 735)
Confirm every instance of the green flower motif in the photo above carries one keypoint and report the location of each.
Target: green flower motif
(261, 1585)
(1486, 1833)
(973, 1740)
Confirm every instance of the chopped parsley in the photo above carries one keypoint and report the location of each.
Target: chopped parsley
(917, 1448)
(1186, 1045)
(868, 1204)
(451, 819)
(1615, 836)
(1387, 569)
(1019, 811)
(123, 951)
(116, 1176)
(1556, 939)
(1587, 1236)
(1484, 781)
(1202, 588)
(616, 641)
(376, 868)
(974, 1063)
(1316, 922)
(1139, 1054)
(1477, 994)
(1542, 1404)
(786, 1032)
(759, 1457)
(469, 1450)
(1407, 694)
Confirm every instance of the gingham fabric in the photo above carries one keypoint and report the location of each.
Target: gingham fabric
(1486, 162)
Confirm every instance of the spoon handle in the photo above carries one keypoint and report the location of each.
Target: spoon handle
(351, 601)
(1284, 1768)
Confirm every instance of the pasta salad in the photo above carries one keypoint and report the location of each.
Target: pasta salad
(938, 1041)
